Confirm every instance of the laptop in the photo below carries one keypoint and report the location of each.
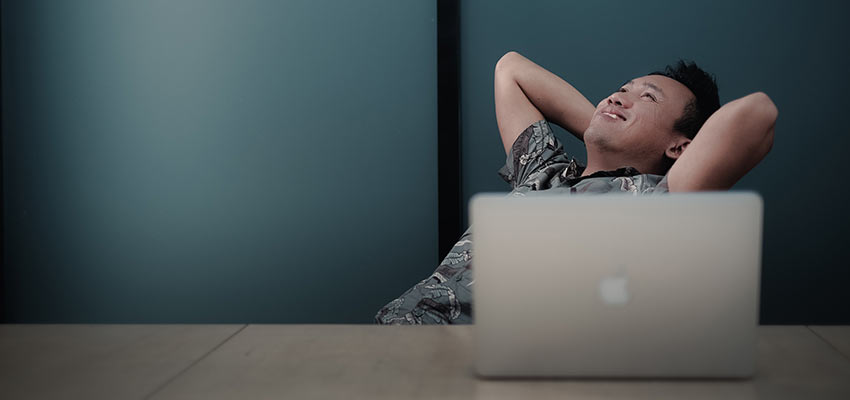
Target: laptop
(615, 285)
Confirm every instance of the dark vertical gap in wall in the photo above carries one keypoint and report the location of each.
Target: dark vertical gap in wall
(2, 180)
(2, 194)
(2, 226)
(449, 201)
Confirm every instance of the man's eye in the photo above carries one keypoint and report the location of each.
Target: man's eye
(622, 90)
(650, 96)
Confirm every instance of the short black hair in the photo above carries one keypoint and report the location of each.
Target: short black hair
(706, 99)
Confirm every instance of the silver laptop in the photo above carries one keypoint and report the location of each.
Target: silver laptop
(616, 285)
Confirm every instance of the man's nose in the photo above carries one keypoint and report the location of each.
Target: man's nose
(617, 98)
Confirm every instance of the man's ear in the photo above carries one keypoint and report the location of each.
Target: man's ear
(677, 147)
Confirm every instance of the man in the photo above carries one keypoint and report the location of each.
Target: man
(663, 132)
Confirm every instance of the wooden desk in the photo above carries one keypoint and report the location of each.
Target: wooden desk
(360, 361)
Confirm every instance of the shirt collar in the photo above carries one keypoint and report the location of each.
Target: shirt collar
(572, 174)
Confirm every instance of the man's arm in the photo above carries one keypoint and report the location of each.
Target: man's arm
(730, 143)
(526, 92)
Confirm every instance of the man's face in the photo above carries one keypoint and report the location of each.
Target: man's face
(637, 120)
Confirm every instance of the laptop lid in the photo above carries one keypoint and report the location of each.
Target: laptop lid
(615, 285)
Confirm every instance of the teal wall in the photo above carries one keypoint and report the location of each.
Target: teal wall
(217, 161)
(796, 52)
(275, 161)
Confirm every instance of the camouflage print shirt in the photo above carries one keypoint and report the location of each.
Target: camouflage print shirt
(535, 162)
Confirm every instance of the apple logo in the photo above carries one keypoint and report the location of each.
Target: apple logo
(613, 288)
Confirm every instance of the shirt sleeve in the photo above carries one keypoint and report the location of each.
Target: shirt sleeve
(658, 185)
(445, 297)
(535, 148)
(662, 187)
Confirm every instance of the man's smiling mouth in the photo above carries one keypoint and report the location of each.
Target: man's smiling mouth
(612, 116)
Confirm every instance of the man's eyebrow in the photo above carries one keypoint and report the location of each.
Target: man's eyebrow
(657, 89)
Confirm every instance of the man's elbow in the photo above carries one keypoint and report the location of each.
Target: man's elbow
(762, 109)
(765, 107)
(771, 113)
(506, 62)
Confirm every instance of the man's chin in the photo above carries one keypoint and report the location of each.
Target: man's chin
(600, 139)
(597, 131)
